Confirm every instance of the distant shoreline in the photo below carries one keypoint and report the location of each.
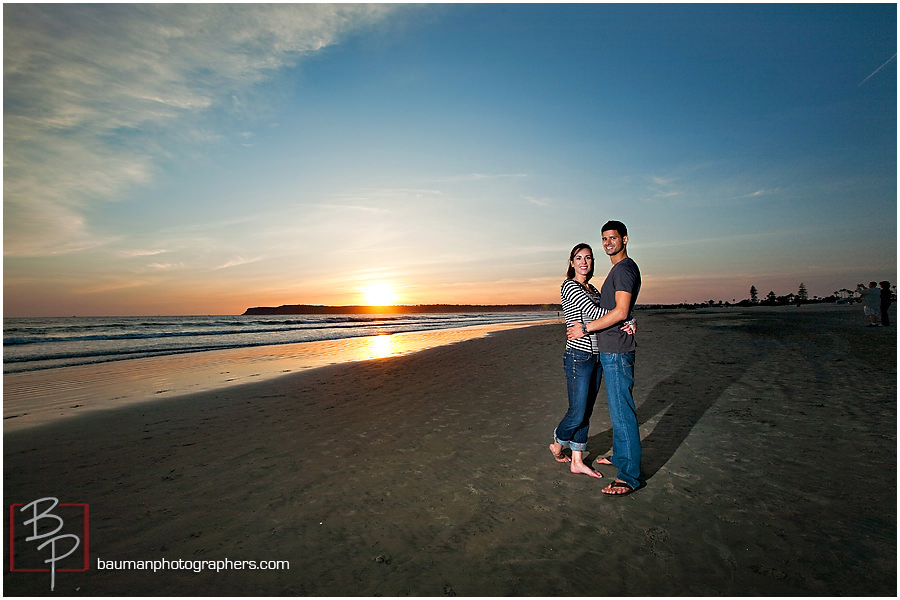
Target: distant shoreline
(310, 309)
(315, 309)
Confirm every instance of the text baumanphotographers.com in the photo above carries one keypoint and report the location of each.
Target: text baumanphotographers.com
(179, 564)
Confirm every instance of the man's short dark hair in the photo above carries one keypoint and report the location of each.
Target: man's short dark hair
(619, 226)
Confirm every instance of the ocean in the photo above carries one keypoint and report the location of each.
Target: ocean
(31, 344)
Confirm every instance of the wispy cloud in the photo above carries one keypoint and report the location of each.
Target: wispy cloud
(479, 177)
(663, 187)
(720, 241)
(758, 194)
(165, 266)
(238, 261)
(92, 93)
(106, 286)
(140, 253)
(538, 201)
(707, 184)
(382, 197)
(351, 208)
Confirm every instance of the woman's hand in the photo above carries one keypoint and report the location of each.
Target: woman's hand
(630, 327)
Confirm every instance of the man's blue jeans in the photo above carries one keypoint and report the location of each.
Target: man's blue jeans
(583, 383)
(619, 372)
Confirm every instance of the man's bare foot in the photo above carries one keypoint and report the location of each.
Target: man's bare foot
(557, 451)
(617, 488)
(603, 460)
(582, 468)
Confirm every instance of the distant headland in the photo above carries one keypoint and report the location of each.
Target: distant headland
(309, 309)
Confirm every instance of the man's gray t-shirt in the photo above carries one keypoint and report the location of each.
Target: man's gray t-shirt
(623, 277)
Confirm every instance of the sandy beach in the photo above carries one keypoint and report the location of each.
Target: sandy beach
(770, 452)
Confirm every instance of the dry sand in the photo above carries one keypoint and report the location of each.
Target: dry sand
(769, 457)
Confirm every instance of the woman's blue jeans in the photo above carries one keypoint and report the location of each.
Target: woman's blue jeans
(619, 372)
(582, 383)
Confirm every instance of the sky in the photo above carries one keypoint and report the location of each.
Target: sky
(186, 159)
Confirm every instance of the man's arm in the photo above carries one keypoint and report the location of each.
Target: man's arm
(616, 315)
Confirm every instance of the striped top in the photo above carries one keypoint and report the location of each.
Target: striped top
(581, 306)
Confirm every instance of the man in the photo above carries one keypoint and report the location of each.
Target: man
(885, 302)
(618, 295)
(871, 298)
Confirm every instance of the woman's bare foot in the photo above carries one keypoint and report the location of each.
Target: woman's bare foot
(603, 460)
(557, 451)
(581, 468)
(578, 465)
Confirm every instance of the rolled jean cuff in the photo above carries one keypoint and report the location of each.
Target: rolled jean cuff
(575, 446)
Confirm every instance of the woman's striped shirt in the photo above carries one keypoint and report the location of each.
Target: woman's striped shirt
(580, 305)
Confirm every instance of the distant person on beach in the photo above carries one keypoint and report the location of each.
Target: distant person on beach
(885, 302)
(871, 297)
(618, 295)
(580, 304)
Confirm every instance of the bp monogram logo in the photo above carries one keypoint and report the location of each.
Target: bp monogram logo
(47, 536)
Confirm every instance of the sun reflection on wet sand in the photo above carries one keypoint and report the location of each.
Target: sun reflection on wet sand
(35, 397)
(381, 345)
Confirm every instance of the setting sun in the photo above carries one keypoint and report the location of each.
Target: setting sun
(380, 294)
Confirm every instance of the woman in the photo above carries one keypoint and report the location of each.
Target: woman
(583, 373)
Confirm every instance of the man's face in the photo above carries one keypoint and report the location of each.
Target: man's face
(613, 243)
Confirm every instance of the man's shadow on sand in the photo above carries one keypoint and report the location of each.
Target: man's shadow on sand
(684, 396)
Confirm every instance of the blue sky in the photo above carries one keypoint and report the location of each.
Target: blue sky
(201, 159)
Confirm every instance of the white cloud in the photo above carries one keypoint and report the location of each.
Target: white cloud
(93, 91)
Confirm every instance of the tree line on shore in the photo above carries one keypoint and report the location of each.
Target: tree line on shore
(841, 296)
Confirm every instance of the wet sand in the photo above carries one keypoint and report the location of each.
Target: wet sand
(35, 398)
(769, 457)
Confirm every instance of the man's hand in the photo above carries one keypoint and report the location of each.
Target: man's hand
(574, 331)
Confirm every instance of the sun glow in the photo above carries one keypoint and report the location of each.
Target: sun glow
(379, 294)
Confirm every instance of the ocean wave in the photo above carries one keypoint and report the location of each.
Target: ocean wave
(135, 335)
(31, 344)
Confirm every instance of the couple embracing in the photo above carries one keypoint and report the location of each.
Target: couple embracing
(600, 332)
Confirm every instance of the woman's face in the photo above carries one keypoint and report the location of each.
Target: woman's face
(582, 262)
